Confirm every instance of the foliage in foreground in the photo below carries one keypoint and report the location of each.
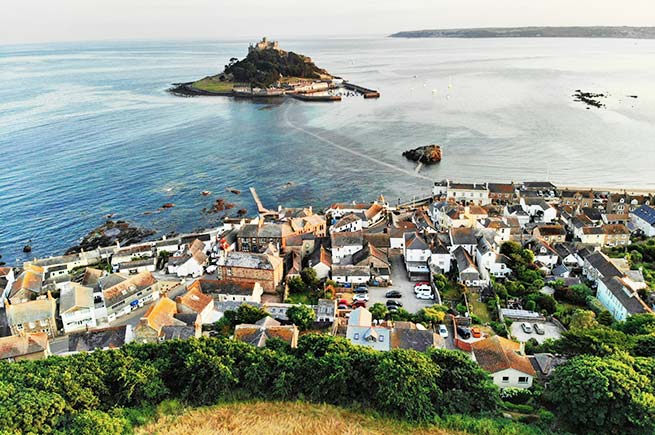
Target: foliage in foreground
(96, 391)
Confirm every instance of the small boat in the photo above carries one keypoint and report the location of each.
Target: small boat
(205, 193)
(168, 205)
(233, 190)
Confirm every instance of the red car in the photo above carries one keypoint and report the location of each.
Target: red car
(343, 302)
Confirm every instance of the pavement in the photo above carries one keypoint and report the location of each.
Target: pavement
(401, 283)
(550, 331)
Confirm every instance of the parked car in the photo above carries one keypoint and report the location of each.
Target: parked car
(538, 329)
(475, 331)
(361, 289)
(342, 307)
(424, 295)
(526, 328)
(422, 288)
(360, 297)
(393, 294)
(443, 331)
(359, 304)
(463, 332)
(391, 302)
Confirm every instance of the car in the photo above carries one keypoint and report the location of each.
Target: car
(359, 304)
(391, 302)
(342, 307)
(360, 297)
(343, 302)
(526, 328)
(393, 294)
(422, 288)
(422, 283)
(538, 329)
(475, 331)
(361, 290)
(424, 295)
(443, 331)
(463, 332)
(393, 308)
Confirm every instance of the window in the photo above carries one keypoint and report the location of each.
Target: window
(505, 378)
(381, 338)
(523, 379)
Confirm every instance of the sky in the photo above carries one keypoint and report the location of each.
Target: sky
(28, 21)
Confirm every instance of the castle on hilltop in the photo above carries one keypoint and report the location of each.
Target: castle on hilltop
(264, 44)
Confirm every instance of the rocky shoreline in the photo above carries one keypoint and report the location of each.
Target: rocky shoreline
(186, 90)
(109, 233)
(428, 155)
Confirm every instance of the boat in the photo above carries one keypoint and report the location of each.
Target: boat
(205, 193)
(233, 190)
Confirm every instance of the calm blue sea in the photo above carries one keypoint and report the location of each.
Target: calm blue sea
(88, 129)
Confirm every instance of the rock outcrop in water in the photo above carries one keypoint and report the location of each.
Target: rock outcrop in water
(109, 233)
(427, 155)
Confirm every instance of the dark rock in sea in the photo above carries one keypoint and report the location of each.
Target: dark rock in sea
(27, 248)
(168, 205)
(219, 205)
(589, 98)
(428, 154)
(242, 212)
(109, 233)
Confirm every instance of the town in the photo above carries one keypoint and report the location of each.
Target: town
(498, 271)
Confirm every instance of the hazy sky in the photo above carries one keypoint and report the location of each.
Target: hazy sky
(74, 20)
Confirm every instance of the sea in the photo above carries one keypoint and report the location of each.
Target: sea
(88, 130)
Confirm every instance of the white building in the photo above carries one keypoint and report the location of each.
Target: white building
(643, 219)
(346, 244)
(76, 308)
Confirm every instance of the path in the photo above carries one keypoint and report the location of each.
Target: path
(353, 152)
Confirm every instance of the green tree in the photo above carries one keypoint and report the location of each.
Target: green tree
(249, 314)
(583, 319)
(596, 341)
(379, 311)
(309, 277)
(93, 422)
(430, 317)
(638, 324)
(296, 284)
(303, 316)
(603, 396)
(605, 318)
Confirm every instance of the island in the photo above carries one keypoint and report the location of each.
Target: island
(534, 32)
(428, 154)
(270, 72)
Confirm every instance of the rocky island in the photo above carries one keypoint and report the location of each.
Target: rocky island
(428, 155)
(269, 72)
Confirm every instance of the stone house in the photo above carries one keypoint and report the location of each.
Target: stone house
(33, 316)
(247, 267)
(26, 347)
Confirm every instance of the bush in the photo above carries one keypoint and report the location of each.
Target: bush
(516, 395)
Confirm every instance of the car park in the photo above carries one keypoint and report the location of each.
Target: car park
(395, 294)
(526, 328)
(360, 297)
(538, 329)
(443, 331)
(394, 303)
(463, 332)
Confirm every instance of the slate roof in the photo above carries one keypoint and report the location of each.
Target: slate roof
(630, 300)
(415, 339)
(369, 251)
(263, 330)
(463, 236)
(605, 267)
(87, 341)
(415, 241)
(251, 260)
(340, 240)
(497, 353)
(177, 332)
(379, 240)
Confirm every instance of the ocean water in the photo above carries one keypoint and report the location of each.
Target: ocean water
(88, 129)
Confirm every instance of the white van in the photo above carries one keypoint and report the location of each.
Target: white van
(425, 295)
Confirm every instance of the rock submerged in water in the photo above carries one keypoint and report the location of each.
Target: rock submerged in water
(427, 155)
(109, 233)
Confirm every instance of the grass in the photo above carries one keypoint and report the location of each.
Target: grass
(481, 310)
(210, 85)
(283, 419)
